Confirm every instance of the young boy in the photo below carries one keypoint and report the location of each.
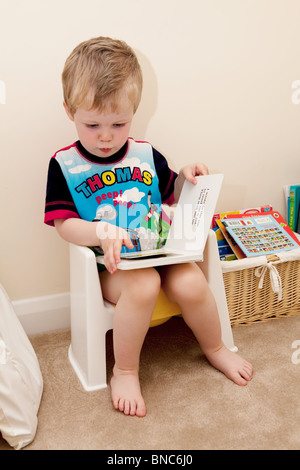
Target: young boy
(99, 190)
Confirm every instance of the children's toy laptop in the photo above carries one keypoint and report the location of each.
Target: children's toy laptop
(189, 229)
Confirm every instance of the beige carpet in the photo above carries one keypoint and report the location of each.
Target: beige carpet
(190, 404)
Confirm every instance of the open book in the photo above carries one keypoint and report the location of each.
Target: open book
(189, 228)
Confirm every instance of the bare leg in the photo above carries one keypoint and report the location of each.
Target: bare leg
(186, 285)
(134, 293)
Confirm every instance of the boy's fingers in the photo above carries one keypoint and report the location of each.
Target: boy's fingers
(110, 258)
(201, 169)
(117, 251)
(127, 241)
(113, 249)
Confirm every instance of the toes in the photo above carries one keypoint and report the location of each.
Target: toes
(133, 409)
(116, 403)
(238, 379)
(243, 375)
(121, 404)
(247, 371)
(140, 409)
(128, 407)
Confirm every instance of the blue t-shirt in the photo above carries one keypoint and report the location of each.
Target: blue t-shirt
(126, 189)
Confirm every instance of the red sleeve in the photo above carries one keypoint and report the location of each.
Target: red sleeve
(59, 202)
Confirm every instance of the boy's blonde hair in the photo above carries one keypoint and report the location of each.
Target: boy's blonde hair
(97, 72)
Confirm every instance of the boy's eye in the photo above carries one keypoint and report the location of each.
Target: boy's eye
(95, 126)
(119, 125)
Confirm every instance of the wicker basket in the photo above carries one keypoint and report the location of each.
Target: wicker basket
(251, 298)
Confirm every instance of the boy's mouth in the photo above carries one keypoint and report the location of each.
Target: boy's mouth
(105, 150)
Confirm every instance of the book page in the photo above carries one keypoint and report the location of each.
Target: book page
(194, 213)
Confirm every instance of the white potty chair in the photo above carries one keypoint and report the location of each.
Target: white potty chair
(92, 316)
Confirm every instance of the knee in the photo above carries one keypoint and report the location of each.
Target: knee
(150, 283)
(144, 284)
(189, 287)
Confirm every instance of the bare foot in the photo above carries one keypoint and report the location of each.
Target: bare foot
(126, 393)
(232, 365)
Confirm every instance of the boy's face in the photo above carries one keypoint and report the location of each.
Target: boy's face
(103, 133)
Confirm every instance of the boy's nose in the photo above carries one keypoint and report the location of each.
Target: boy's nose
(105, 136)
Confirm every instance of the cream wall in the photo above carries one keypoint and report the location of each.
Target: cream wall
(218, 88)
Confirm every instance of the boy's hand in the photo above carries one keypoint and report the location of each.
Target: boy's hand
(195, 169)
(188, 172)
(112, 239)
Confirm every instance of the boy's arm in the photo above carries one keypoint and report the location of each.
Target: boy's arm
(188, 172)
(108, 236)
(77, 231)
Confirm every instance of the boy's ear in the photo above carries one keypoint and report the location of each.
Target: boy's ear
(68, 112)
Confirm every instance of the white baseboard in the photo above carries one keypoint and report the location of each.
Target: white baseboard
(42, 314)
